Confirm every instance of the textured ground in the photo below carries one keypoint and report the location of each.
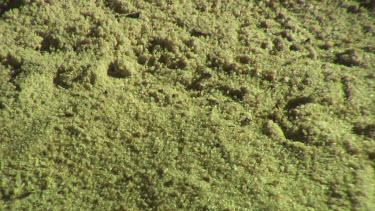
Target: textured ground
(165, 105)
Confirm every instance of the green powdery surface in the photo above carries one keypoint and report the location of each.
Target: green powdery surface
(261, 105)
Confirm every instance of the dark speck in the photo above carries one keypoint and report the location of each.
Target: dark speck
(196, 33)
(294, 47)
(133, 15)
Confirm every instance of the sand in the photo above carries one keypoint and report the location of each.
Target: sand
(187, 105)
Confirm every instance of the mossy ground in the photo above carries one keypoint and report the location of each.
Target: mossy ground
(260, 105)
